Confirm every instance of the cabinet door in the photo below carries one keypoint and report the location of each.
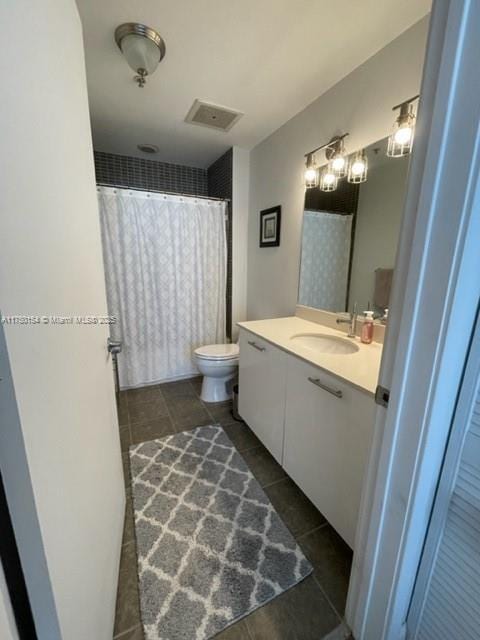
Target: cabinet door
(327, 442)
(261, 402)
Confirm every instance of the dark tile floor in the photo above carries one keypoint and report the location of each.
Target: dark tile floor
(309, 610)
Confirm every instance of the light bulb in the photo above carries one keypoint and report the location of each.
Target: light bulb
(401, 139)
(357, 172)
(329, 178)
(403, 135)
(358, 167)
(338, 164)
(337, 155)
(310, 175)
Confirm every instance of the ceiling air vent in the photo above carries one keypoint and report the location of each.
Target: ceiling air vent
(147, 148)
(213, 116)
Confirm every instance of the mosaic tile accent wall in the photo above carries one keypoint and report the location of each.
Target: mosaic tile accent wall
(139, 173)
(343, 200)
(219, 175)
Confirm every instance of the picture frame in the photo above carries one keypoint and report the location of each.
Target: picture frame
(270, 220)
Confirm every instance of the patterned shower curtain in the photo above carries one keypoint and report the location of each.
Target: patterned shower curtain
(165, 272)
(326, 239)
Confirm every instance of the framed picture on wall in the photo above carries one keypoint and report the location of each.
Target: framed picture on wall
(270, 226)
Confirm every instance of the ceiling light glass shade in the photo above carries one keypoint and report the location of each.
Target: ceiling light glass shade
(140, 53)
(358, 168)
(311, 173)
(142, 47)
(401, 139)
(328, 180)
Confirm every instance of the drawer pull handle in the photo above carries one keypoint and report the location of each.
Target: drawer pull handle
(255, 345)
(335, 392)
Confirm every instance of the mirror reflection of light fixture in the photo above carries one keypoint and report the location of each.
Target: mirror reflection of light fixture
(401, 139)
(142, 47)
(335, 151)
(311, 172)
(328, 179)
(337, 155)
(358, 168)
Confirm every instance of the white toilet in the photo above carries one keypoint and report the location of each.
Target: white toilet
(218, 363)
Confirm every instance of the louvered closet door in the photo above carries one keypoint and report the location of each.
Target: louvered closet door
(446, 603)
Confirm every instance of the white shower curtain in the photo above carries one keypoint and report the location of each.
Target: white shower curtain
(165, 271)
(326, 241)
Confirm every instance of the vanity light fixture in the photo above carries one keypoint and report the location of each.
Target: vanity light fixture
(311, 172)
(401, 139)
(358, 168)
(142, 47)
(337, 154)
(328, 179)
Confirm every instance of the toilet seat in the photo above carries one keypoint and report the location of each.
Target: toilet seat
(218, 352)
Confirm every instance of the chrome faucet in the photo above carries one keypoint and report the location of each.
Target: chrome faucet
(352, 321)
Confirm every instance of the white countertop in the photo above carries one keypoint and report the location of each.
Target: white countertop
(359, 369)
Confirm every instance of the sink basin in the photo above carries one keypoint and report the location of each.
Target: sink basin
(324, 343)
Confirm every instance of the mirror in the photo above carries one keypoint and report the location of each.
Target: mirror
(350, 237)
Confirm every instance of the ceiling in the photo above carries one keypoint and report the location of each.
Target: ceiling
(266, 58)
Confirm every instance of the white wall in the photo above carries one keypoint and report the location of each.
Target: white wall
(360, 104)
(8, 629)
(51, 263)
(377, 229)
(21, 504)
(240, 199)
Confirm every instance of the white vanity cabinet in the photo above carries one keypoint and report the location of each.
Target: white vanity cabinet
(262, 382)
(315, 417)
(328, 433)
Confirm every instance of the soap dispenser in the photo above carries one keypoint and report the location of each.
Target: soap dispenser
(367, 329)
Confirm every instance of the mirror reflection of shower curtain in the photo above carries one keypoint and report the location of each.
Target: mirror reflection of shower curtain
(165, 270)
(326, 239)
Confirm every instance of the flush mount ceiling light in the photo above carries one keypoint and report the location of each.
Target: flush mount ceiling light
(142, 47)
(311, 172)
(358, 168)
(328, 180)
(337, 154)
(401, 139)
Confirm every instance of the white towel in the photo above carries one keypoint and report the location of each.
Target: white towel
(383, 284)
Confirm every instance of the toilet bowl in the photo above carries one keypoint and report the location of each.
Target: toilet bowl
(218, 364)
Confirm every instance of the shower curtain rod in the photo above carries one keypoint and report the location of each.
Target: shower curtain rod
(167, 193)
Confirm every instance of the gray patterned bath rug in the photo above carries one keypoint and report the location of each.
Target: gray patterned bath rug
(211, 548)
